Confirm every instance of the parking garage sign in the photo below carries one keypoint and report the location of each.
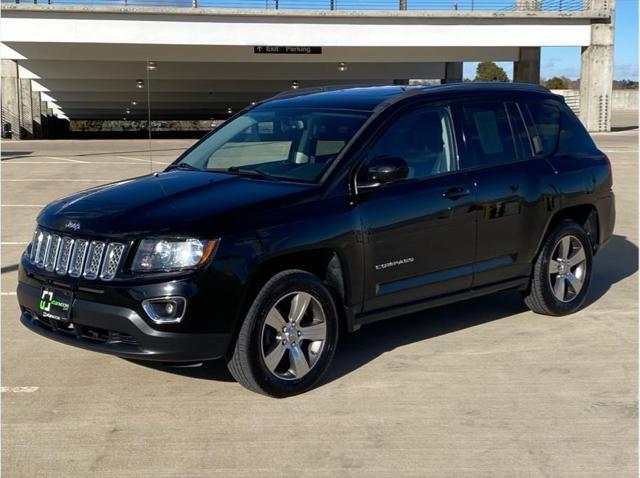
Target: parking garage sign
(288, 50)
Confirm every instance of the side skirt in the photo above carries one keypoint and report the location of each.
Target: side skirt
(357, 321)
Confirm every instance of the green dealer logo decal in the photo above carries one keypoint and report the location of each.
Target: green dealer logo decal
(46, 300)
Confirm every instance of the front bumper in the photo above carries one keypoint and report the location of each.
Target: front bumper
(118, 331)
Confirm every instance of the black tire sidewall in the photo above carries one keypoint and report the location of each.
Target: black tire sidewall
(278, 287)
(567, 228)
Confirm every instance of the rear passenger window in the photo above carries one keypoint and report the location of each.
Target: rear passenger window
(574, 139)
(546, 120)
(488, 132)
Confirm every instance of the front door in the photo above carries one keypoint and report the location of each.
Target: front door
(419, 233)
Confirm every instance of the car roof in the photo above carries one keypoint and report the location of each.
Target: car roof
(367, 98)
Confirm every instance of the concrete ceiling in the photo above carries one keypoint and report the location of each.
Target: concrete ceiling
(88, 63)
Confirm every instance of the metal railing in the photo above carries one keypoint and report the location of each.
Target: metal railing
(463, 5)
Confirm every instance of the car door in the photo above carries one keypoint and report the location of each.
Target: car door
(419, 232)
(512, 189)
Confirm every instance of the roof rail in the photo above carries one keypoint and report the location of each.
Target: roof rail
(408, 90)
(319, 89)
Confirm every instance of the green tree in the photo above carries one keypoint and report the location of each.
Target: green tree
(489, 71)
(556, 83)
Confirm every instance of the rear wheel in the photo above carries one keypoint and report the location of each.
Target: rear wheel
(562, 272)
(288, 338)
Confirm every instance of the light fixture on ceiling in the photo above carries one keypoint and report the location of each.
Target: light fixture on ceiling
(134, 103)
(253, 103)
(127, 111)
(152, 65)
(295, 85)
(342, 67)
(139, 83)
(124, 119)
(229, 110)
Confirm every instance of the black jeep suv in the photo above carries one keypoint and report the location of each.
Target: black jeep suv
(319, 211)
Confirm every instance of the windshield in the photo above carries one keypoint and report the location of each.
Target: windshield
(293, 143)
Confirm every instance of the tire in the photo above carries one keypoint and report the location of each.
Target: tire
(561, 252)
(275, 326)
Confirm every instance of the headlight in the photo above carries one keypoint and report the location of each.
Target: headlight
(171, 254)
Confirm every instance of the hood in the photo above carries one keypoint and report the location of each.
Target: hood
(180, 203)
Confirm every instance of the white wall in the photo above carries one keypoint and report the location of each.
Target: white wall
(620, 99)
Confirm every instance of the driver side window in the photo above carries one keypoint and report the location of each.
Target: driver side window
(423, 138)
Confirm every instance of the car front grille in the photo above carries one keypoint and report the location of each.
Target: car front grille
(67, 255)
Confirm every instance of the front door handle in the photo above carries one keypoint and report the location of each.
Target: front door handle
(456, 193)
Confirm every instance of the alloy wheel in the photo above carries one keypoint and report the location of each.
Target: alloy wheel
(293, 336)
(567, 268)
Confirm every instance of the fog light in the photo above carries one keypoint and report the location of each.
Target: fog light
(165, 310)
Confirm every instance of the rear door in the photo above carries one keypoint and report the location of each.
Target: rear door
(511, 189)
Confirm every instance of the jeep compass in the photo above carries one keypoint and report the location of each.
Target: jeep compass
(317, 212)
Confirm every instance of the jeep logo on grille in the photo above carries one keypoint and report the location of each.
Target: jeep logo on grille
(75, 225)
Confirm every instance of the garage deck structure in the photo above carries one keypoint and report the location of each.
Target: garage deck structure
(202, 60)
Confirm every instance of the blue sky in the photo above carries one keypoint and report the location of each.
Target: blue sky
(565, 61)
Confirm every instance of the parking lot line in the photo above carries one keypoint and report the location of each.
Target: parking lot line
(23, 162)
(142, 160)
(66, 159)
(148, 160)
(19, 389)
(61, 180)
(22, 205)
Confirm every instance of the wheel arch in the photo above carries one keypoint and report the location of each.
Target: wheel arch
(586, 215)
(324, 263)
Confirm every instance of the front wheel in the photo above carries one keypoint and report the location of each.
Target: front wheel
(288, 338)
(562, 271)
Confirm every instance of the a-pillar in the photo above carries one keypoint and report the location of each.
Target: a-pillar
(596, 72)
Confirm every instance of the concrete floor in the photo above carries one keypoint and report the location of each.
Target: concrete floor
(481, 388)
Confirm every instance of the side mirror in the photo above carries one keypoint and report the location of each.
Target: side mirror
(383, 170)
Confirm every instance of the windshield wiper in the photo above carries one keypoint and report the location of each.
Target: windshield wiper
(251, 172)
(185, 166)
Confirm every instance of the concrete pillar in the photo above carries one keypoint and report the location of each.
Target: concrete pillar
(26, 113)
(596, 72)
(51, 123)
(527, 68)
(36, 111)
(10, 98)
(46, 127)
(452, 72)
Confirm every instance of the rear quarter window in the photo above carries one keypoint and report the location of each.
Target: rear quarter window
(546, 126)
(574, 138)
(559, 131)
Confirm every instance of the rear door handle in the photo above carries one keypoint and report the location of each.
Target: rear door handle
(456, 193)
